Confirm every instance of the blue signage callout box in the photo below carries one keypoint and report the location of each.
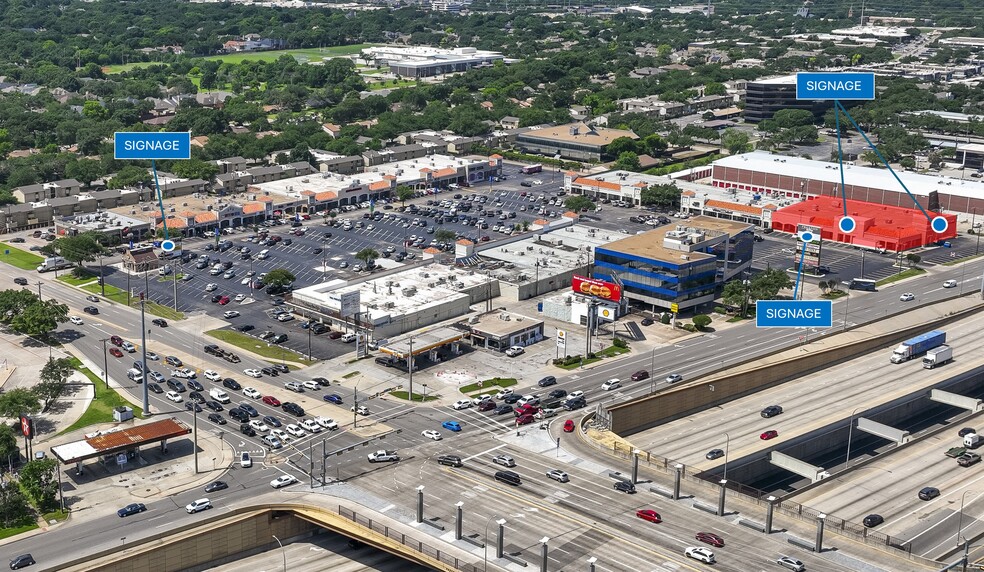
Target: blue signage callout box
(794, 313)
(835, 85)
(156, 145)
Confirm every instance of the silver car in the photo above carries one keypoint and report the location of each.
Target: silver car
(791, 563)
(558, 475)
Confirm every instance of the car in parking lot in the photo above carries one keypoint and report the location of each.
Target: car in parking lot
(770, 434)
(271, 400)
(503, 409)
(515, 351)
(700, 553)
(252, 393)
(771, 411)
(272, 421)
(649, 515)
(295, 430)
(451, 426)
(296, 410)
(432, 434)
(195, 385)
(231, 384)
(310, 425)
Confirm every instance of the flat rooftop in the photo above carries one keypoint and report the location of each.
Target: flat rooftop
(316, 183)
(920, 185)
(579, 133)
(503, 323)
(389, 297)
(422, 342)
(409, 170)
(650, 244)
(556, 252)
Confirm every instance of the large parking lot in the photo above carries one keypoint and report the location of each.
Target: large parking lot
(322, 249)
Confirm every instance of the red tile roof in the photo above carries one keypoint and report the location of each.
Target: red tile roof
(465, 242)
(446, 172)
(379, 185)
(325, 196)
(596, 183)
(253, 208)
(206, 217)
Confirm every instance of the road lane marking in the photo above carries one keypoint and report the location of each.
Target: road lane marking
(486, 452)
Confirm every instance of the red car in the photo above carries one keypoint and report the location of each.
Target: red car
(271, 400)
(569, 426)
(223, 300)
(770, 434)
(649, 514)
(115, 352)
(116, 340)
(712, 539)
(640, 375)
(524, 419)
(487, 405)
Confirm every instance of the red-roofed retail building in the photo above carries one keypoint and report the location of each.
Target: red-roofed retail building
(878, 226)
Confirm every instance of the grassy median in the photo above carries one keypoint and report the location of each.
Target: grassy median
(272, 352)
(100, 410)
(20, 258)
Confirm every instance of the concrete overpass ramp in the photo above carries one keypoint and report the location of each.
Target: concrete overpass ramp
(801, 468)
(884, 431)
(968, 403)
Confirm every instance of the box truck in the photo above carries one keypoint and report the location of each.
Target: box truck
(54, 263)
(918, 345)
(937, 356)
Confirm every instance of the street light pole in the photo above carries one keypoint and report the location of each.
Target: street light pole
(282, 549)
(486, 546)
(410, 368)
(960, 520)
(727, 449)
(850, 430)
(106, 363)
(652, 371)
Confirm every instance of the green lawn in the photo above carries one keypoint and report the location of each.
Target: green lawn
(612, 351)
(416, 396)
(72, 280)
(101, 408)
(901, 276)
(578, 364)
(14, 531)
(258, 347)
(119, 296)
(20, 258)
(388, 84)
(304, 55)
(484, 386)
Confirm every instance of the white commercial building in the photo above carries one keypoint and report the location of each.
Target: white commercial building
(424, 61)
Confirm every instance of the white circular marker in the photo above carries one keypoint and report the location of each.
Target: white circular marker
(847, 224)
(939, 224)
(807, 236)
(167, 245)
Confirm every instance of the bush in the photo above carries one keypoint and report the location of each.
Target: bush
(664, 319)
(620, 343)
(720, 310)
(592, 355)
(569, 360)
(701, 321)
(689, 327)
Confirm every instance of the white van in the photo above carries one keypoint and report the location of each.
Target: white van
(219, 395)
(264, 254)
(135, 375)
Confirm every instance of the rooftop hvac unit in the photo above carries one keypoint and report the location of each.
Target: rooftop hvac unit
(459, 285)
(133, 211)
(473, 320)
(431, 285)
(305, 180)
(389, 305)
(251, 197)
(184, 204)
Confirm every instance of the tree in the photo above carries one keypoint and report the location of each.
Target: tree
(84, 170)
(665, 196)
(735, 141)
(14, 302)
(622, 145)
(404, 193)
(79, 248)
(14, 508)
(701, 321)
(907, 163)
(871, 158)
(40, 318)
(445, 235)
(279, 277)
(38, 479)
(195, 169)
(8, 443)
(766, 285)
(368, 256)
(130, 176)
(19, 400)
(627, 161)
(52, 380)
(579, 203)
(913, 259)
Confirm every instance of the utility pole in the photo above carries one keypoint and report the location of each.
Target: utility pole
(410, 368)
(106, 363)
(143, 350)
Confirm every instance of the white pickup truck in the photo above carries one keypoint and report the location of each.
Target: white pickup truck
(383, 456)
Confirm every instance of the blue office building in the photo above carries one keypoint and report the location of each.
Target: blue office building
(685, 263)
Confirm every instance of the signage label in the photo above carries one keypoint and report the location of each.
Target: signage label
(835, 85)
(156, 145)
(794, 313)
(598, 288)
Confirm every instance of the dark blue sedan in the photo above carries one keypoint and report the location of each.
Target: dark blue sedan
(131, 509)
(334, 398)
